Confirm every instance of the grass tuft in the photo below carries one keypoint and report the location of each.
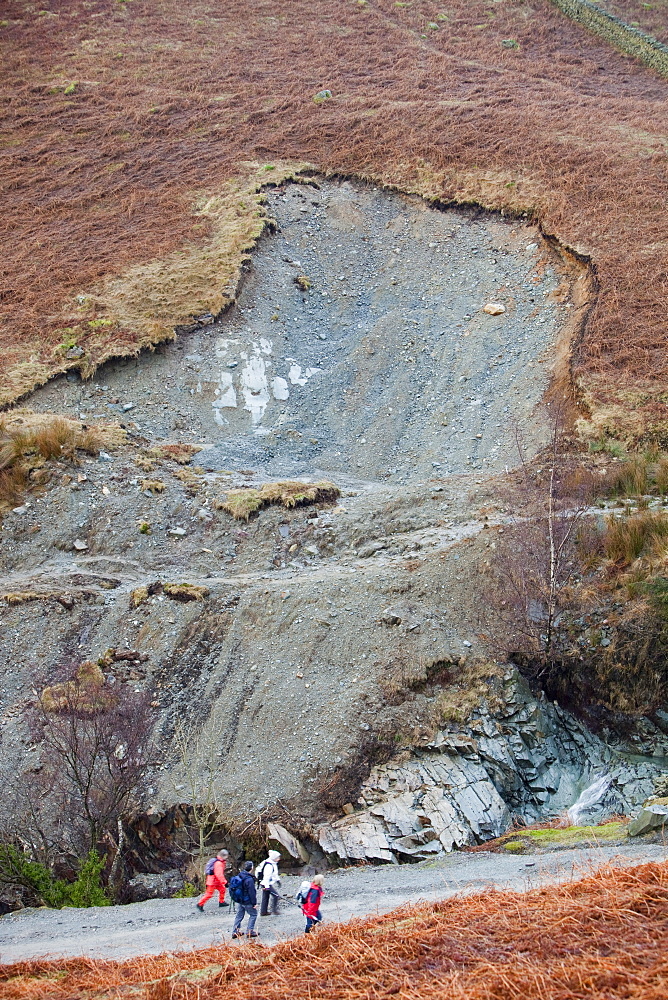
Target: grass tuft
(628, 537)
(28, 440)
(631, 479)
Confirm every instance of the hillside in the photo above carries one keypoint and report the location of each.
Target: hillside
(334, 459)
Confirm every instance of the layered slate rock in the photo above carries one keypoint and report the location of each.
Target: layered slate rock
(528, 760)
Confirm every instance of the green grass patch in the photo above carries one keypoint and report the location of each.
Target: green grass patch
(520, 842)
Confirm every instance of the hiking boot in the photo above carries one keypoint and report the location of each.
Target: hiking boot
(223, 904)
(237, 934)
(252, 934)
(200, 907)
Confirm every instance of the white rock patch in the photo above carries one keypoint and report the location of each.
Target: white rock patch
(279, 388)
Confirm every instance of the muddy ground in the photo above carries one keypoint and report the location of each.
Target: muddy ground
(174, 924)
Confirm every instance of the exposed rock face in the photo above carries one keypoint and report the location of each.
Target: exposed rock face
(161, 886)
(528, 760)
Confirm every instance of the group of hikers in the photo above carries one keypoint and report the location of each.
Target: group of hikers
(243, 892)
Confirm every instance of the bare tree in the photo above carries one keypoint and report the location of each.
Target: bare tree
(95, 742)
(194, 783)
(532, 581)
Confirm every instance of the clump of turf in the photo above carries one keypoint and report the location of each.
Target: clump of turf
(152, 486)
(138, 596)
(242, 503)
(185, 591)
(181, 453)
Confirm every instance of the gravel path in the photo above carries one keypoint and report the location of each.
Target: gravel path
(174, 924)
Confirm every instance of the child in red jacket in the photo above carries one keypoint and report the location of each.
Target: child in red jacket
(215, 879)
(311, 907)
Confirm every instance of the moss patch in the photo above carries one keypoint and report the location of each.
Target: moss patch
(550, 837)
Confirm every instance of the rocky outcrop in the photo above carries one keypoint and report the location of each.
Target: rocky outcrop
(527, 760)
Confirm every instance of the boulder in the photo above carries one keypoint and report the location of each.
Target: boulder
(653, 816)
(356, 837)
(161, 886)
(277, 832)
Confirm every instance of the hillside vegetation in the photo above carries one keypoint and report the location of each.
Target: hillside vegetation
(137, 139)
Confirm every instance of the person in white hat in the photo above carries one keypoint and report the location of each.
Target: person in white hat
(269, 881)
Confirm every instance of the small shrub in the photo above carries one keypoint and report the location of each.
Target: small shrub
(38, 883)
(87, 889)
(186, 892)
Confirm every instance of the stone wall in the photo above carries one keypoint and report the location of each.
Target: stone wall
(623, 36)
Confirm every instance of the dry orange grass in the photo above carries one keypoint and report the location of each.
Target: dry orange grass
(119, 118)
(601, 938)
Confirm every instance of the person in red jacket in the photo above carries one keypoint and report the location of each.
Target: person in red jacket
(215, 879)
(311, 907)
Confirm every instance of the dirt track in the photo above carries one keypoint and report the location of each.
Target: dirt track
(175, 925)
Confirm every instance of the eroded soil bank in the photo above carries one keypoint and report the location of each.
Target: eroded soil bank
(358, 346)
(359, 349)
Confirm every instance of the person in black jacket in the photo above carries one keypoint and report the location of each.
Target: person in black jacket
(247, 905)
